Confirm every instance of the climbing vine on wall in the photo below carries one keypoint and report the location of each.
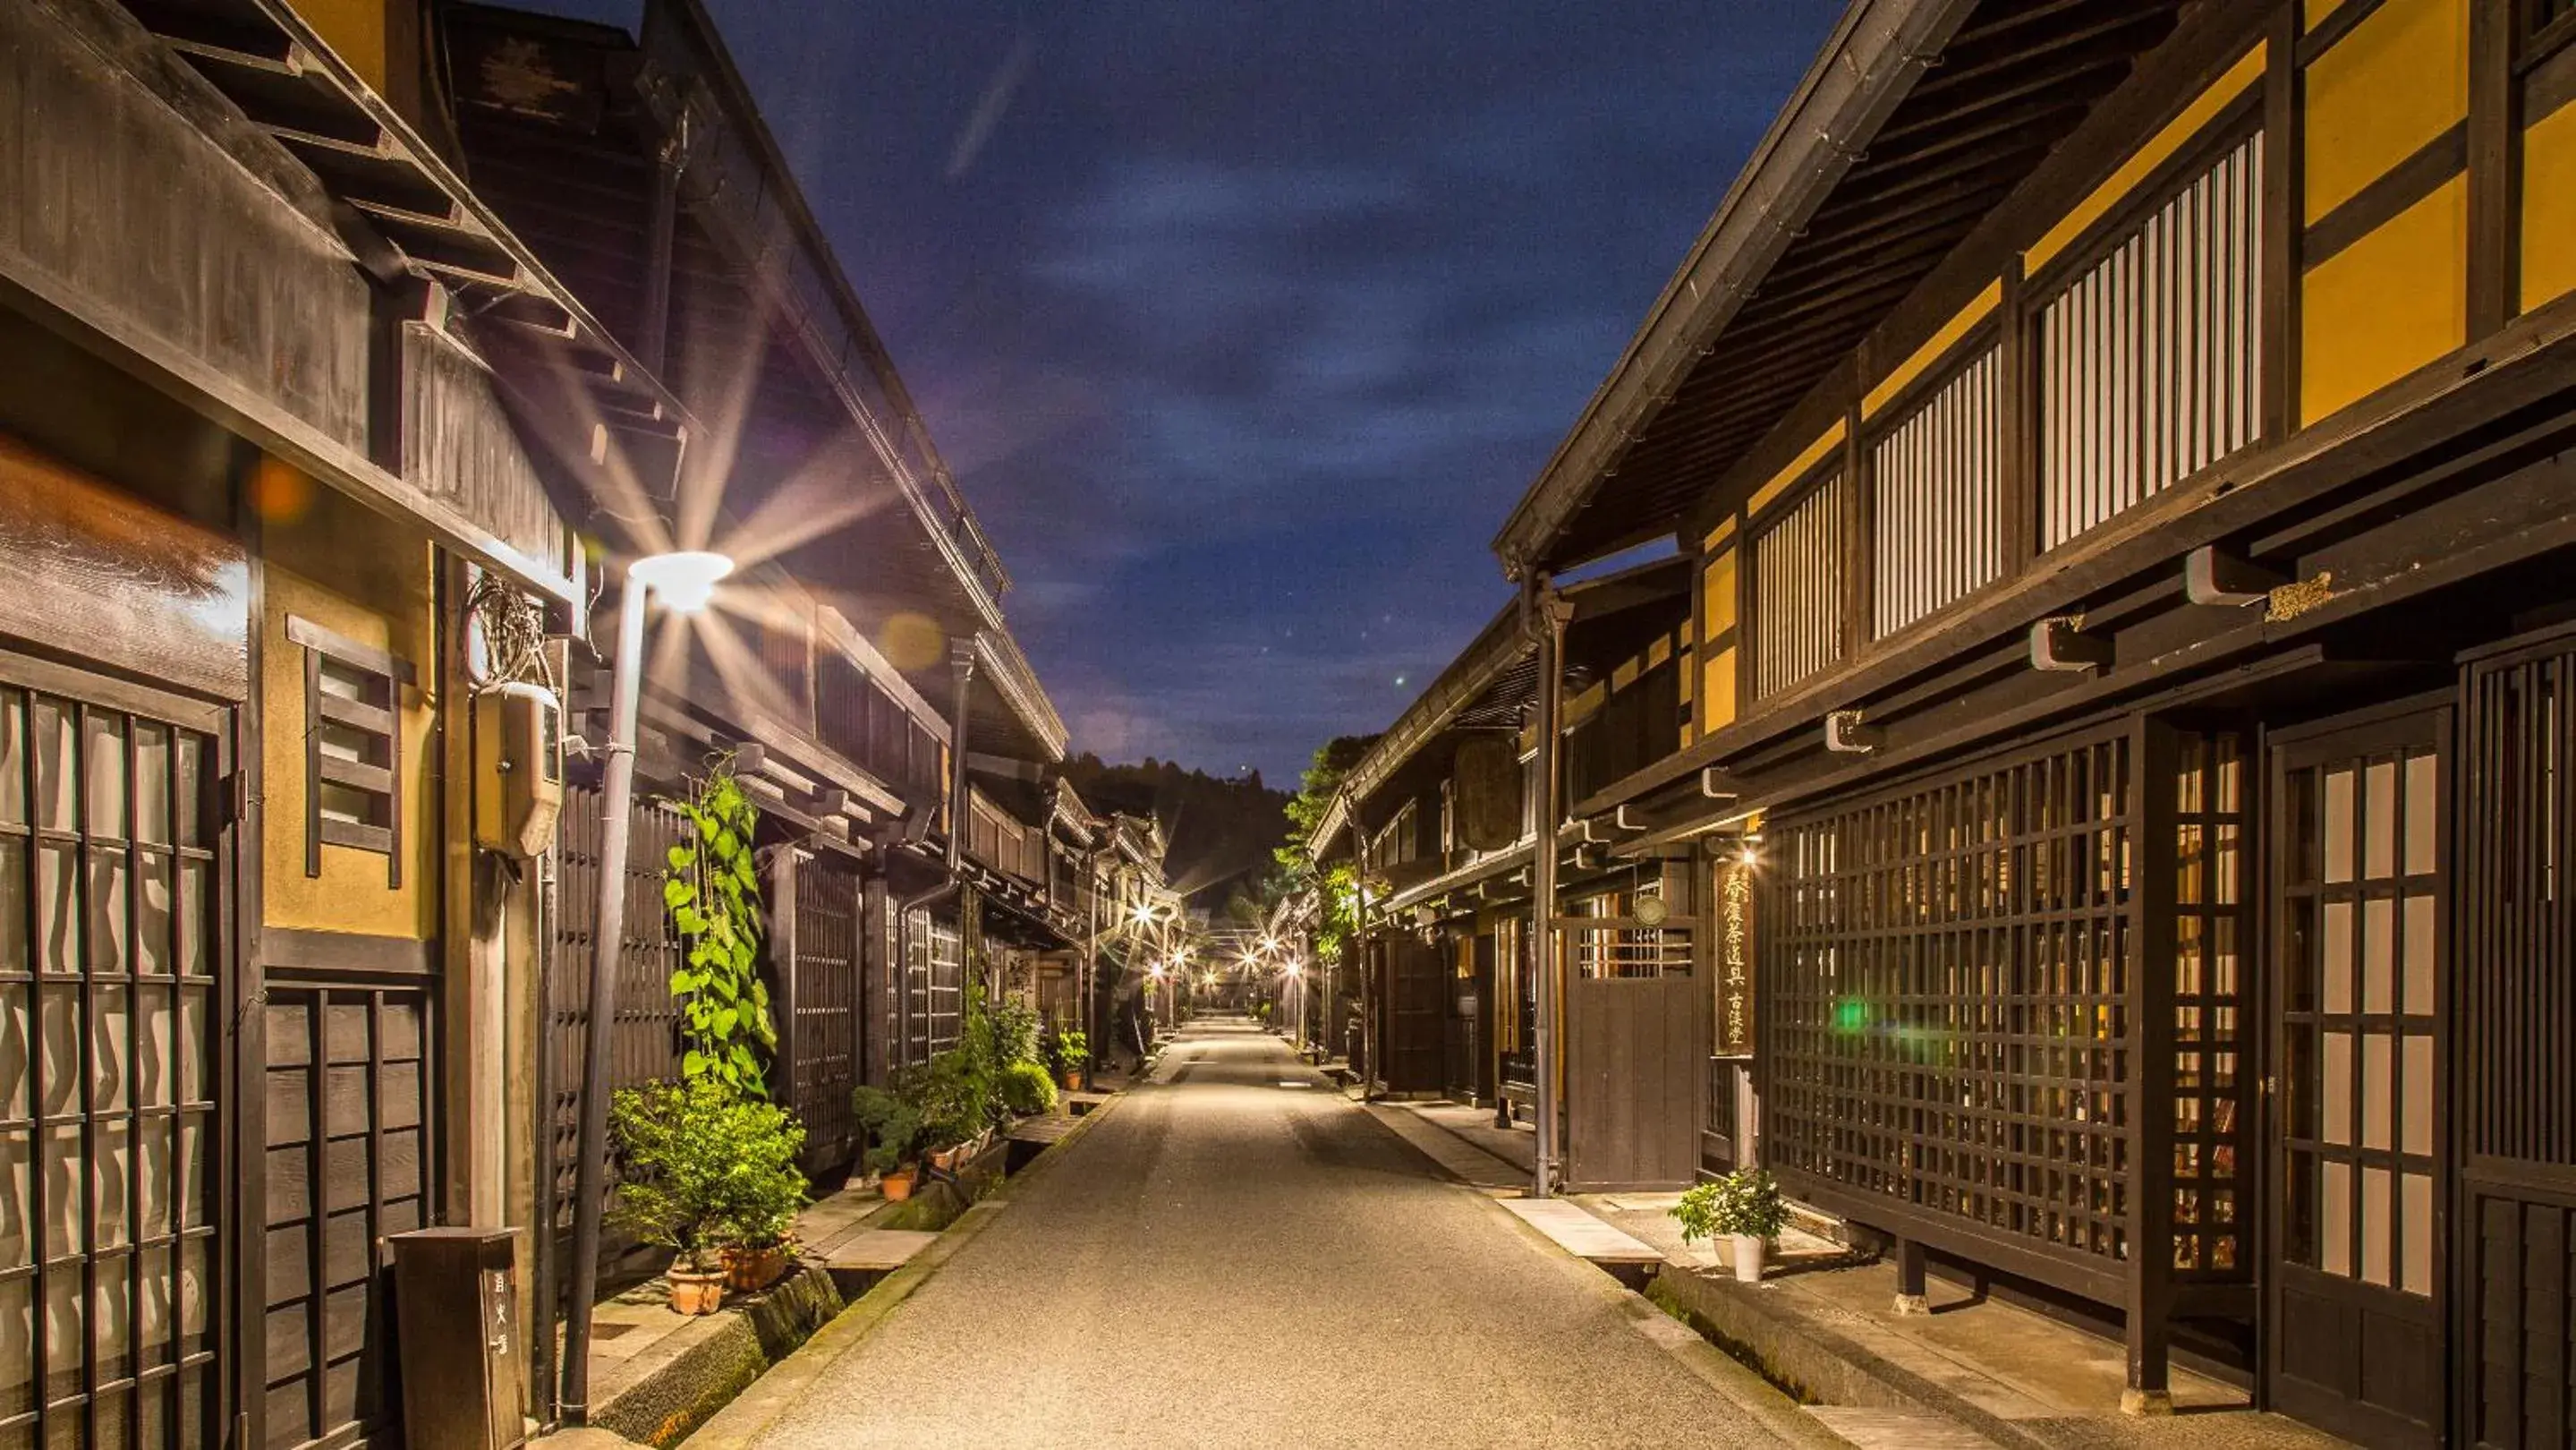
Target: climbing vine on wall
(712, 888)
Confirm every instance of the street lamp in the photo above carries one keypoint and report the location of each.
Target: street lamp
(685, 582)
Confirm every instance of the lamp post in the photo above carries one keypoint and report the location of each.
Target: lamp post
(685, 581)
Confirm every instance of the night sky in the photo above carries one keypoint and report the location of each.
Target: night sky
(1243, 326)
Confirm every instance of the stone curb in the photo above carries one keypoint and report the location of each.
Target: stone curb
(1761, 1402)
(768, 1399)
(1813, 1361)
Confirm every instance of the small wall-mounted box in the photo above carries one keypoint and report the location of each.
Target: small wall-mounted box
(518, 768)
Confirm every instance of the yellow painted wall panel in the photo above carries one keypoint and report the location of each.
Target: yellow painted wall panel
(367, 578)
(1716, 708)
(2387, 304)
(1717, 596)
(2397, 82)
(2319, 10)
(355, 30)
(2549, 208)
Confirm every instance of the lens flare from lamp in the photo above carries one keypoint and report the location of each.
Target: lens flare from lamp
(686, 581)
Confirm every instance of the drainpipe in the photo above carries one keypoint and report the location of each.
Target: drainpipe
(1090, 975)
(1548, 613)
(1359, 944)
(961, 662)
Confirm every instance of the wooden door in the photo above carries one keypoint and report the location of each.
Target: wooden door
(117, 994)
(2355, 1325)
(1416, 1016)
(1636, 1054)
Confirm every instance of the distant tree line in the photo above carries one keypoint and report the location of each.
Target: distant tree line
(1222, 831)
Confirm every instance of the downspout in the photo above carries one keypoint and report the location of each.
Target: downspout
(961, 662)
(1548, 615)
(1359, 945)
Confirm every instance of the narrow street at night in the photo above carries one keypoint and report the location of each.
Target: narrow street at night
(1229, 1260)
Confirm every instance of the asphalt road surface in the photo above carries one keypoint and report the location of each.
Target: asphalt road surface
(1227, 1261)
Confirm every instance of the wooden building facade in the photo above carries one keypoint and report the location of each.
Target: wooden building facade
(2121, 453)
(304, 443)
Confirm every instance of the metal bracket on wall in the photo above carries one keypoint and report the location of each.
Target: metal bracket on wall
(1846, 735)
(2058, 643)
(2213, 577)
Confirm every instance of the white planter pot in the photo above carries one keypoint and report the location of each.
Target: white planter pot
(1748, 1258)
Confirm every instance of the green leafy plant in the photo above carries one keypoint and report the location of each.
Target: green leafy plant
(1015, 1032)
(1026, 1088)
(892, 1124)
(1746, 1202)
(712, 888)
(703, 1167)
(1072, 1050)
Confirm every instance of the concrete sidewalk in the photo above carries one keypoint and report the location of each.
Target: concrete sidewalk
(1822, 1320)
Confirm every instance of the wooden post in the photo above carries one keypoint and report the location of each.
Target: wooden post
(2150, 1095)
(1910, 1298)
(782, 966)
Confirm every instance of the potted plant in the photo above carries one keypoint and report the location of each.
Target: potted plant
(674, 1161)
(1072, 1054)
(892, 1124)
(761, 1193)
(1745, 1204)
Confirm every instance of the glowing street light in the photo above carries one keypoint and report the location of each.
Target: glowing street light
(686, 583)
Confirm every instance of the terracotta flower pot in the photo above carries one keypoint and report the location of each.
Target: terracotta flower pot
(897, 1186)
(945, 1159)
(695, 1291)
(1073, 1079)
(748, 1271)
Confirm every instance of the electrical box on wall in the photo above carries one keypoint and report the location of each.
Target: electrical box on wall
(518, 768)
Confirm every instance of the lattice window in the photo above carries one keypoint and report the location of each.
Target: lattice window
(1625, 949)
(1947, 975)
(2212, 940)
(2360, 1012)
(1937, 481)
(1798, 584)
(2150, 361)
(112, 1043)
(352, 746)
(941, 953)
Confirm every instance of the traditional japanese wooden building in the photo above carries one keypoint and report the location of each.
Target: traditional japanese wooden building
(2122, 450)
(1442, 814)
(303, 450)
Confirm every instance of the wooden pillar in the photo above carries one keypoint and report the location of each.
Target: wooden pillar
(1910, 1298)
(782, 967)
(2150, 1092)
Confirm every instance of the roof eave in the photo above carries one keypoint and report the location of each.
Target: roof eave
(1867, 66)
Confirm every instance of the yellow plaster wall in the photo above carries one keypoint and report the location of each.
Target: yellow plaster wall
(365, 577)
(2397, 82)
(355, 30)
(2549, 208)
(2386, 305)
(1714, 708)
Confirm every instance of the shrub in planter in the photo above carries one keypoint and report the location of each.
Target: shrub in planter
(1745, 1204)
(701, 1168)
(762, 1194)
(1015, 1033)
(892, 1125)
(1073, 1052)
(1027, 1089)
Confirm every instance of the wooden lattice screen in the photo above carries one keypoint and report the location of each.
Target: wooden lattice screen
(646, 1043)
(1946, 979)
(818, 996)
(2516, 1120)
